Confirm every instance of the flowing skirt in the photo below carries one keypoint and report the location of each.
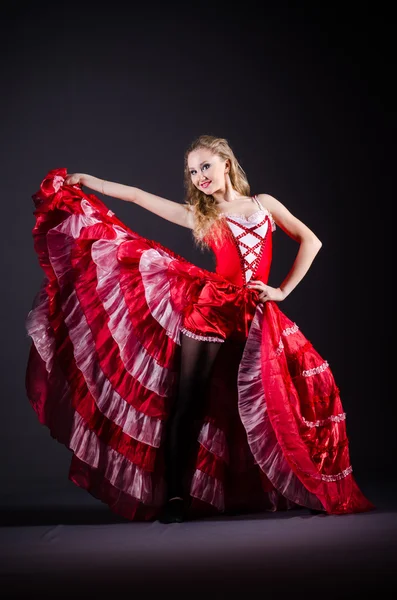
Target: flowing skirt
(102, 374)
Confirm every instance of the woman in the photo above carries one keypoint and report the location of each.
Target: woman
(180, 391)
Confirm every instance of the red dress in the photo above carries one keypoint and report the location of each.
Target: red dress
(103, 367)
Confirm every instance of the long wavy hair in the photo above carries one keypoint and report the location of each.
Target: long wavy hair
(209, 226)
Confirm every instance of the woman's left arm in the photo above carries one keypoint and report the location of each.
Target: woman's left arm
(309, 245)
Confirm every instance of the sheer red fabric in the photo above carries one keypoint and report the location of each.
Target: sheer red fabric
(102, 372)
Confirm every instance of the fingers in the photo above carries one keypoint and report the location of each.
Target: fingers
(71, 181)
(255, 284)
(260, 286)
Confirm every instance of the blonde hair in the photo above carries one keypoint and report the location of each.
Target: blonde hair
(209, 227)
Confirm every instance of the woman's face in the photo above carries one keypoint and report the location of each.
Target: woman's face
(207, 170)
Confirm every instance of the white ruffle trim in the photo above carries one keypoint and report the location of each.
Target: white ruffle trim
(315, 370)
(251, 218)
(39, 328)
(116, 468)
(203, 338)
(286, 332)
(208, 489)
(338, 476)
(135, 358)
(320, 422)
(260, 433)
(134, 355)
(153, 266)
(290, 330)
(214, 440)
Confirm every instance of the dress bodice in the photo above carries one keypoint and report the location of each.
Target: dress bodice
(246, 251)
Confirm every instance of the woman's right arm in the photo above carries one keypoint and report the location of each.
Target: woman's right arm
(180, 214)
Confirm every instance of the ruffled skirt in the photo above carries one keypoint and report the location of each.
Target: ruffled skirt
(102, 373)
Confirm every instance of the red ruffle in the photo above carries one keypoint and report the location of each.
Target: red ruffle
(103, 370)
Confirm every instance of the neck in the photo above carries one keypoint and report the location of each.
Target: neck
(227, 193)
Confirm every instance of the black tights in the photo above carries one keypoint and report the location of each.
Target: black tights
(197, 359)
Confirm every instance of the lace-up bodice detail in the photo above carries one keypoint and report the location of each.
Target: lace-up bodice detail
(250, 242)
(250, 235)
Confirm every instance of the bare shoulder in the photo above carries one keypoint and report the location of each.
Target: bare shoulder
(270, 202)
(283, 217)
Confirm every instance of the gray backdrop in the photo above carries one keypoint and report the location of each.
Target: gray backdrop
(119, 92)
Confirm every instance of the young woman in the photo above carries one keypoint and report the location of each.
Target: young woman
(182, 392)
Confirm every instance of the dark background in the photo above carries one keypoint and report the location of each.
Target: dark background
(303, 95)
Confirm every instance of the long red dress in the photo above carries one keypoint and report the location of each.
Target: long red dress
(103, 367)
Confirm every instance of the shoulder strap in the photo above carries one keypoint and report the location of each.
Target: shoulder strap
(273, 224)
(255, 198)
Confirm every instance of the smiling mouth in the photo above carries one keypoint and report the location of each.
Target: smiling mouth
(205, 184)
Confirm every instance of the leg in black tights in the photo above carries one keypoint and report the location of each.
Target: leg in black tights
(197, 359)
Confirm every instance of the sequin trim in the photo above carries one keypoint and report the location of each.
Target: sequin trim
(200, 337)
(320, 422)
(338, 476)
(290, 330)
(286, 332)
(280, 347)
(315, 370)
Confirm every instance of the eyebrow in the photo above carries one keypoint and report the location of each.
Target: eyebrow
(202, 163)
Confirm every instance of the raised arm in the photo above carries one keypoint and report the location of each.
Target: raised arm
(309, 245)
(177, 213)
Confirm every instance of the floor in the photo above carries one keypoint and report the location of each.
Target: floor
(90, 552)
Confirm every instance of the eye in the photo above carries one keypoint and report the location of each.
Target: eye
(206, 166)
(192, 172)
